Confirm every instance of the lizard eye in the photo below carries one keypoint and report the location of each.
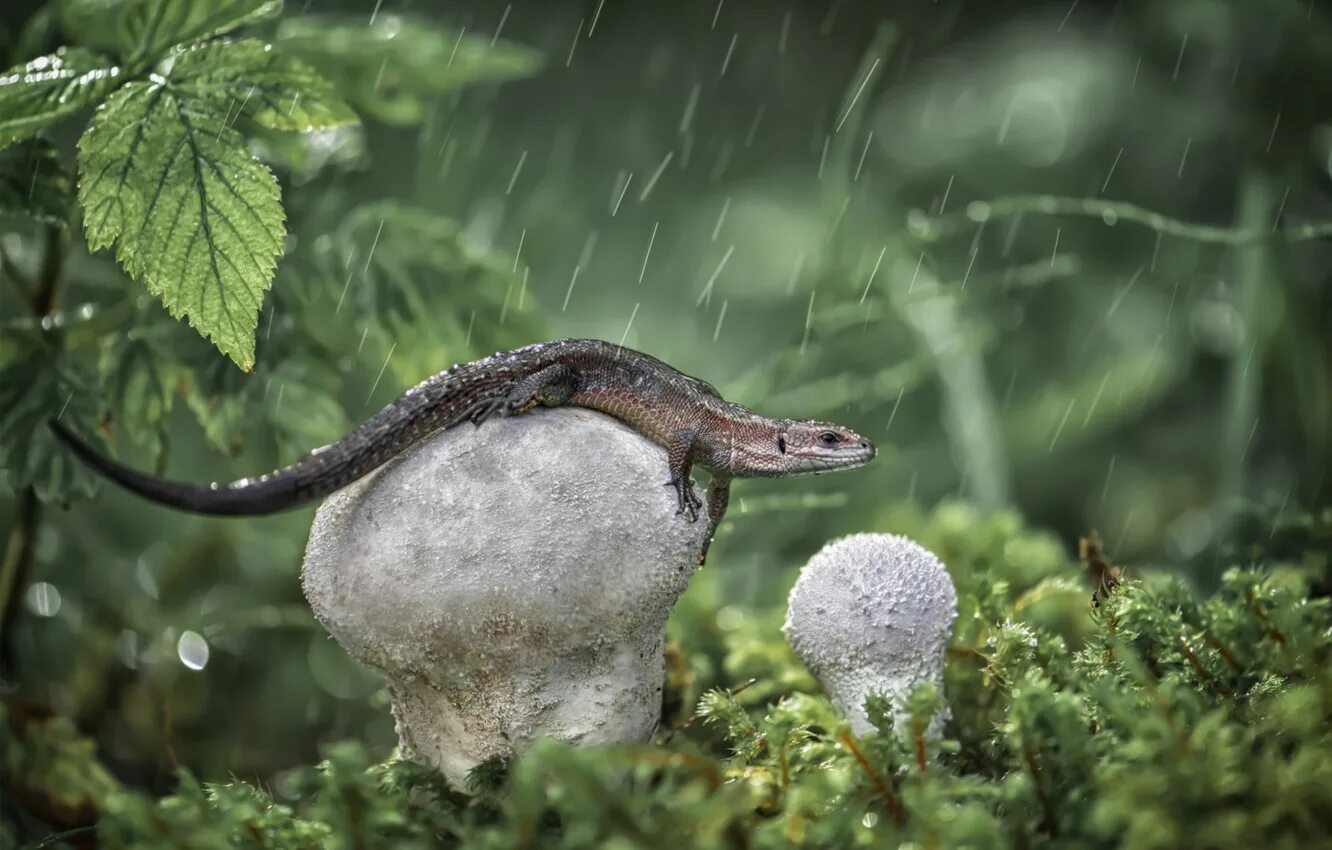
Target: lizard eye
(781, 444)
(828, 438)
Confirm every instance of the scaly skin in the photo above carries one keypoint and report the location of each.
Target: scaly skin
(686, 416)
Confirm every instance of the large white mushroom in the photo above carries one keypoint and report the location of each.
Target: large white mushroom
(510, 583)
(872, 613)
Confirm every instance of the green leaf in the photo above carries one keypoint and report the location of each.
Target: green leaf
(45, 90)
(219, 398)
(91, 23)
(139, 373)
(301, 403)
(304, 154)
(33, 389)
(389, 68)
(277, 91)
(164, 177)
(34, 182)
(149, 28)
(407, 263)
(38, 36)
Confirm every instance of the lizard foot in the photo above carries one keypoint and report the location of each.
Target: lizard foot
(688, 500)
(483, 410)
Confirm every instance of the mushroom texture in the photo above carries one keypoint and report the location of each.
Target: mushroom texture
(872, 613)
(510, 582)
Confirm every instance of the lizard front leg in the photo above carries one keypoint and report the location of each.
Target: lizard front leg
(719, 495)
(679, 460)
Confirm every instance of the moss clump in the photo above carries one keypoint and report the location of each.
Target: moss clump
(1143, 717)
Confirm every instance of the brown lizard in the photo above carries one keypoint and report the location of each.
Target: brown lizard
(685, 415)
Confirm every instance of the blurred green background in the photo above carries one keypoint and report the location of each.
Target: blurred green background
(791, 200)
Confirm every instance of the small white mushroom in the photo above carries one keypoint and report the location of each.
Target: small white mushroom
(872, 613)
(510, 582)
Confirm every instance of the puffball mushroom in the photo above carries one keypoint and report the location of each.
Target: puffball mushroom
(872, 613)
(510, 582)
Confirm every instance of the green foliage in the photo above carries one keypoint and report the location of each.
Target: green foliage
(392, 67)
(149, 29)
(35, 389)
(194, 215)
(162, 171)
(47, 764)
(165, 177)
(34, 182)
(1152, 719)
(169, 175)
(41, 92)
(1060, 348)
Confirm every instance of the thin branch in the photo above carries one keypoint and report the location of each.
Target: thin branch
(1111, 212)
(59, 837)
(889, 798)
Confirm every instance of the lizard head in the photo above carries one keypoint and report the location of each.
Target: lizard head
(797, 447)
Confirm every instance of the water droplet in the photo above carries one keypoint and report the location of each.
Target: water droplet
(730, 618)
(192, 650)
(43, 599)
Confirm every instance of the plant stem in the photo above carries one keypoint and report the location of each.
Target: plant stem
(18, 558)
(1258, 198)
(17, 565)
(20, 281)
(1246, 232)
(890, 801)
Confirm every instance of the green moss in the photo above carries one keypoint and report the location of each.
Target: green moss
(1152, 718)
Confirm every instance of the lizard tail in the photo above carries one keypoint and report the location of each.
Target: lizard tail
(448, 399)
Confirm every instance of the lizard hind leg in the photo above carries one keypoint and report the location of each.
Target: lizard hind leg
(719, 495)
(548, 387)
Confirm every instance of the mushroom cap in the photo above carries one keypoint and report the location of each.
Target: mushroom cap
(871, 612)
(510, 582)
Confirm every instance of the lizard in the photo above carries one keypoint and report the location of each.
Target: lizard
(685, 415)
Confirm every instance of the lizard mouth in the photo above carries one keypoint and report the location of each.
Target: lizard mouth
(849, 457)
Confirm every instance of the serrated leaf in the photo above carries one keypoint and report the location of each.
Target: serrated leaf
(34, 389)
(390, 67)
(250, 78)
(47, 89)
(34, 182)
(149, 28)
(196, 218)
